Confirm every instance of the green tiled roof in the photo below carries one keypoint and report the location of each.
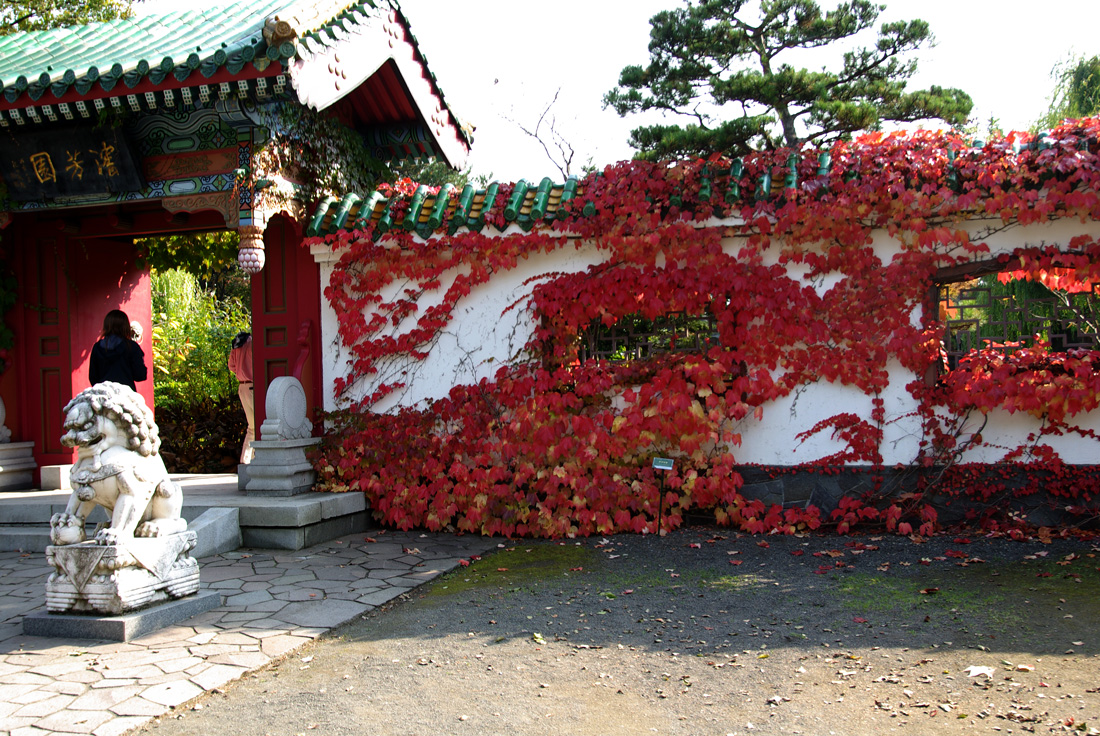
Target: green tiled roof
(179, 44)
(526, 205)
(101, 55)
(188, 57)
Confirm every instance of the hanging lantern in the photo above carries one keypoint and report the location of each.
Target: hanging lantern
(250, 256)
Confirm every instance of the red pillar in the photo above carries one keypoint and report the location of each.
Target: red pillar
(286, 316)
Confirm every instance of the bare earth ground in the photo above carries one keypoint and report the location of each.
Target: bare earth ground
(704, 632)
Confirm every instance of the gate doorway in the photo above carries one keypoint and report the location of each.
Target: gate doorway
(73, 266)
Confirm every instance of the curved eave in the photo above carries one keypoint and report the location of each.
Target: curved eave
(338, 64)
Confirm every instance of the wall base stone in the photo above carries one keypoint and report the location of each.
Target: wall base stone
(797, 487)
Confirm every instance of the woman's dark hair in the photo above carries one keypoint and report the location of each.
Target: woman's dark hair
(240, 339)
(117, 323)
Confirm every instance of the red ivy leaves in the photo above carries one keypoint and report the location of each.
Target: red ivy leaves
(553, 448)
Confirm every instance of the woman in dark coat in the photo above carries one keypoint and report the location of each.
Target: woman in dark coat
(115, 356)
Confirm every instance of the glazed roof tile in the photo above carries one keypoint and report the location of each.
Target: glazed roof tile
(200, 40)
(527, 205)
(65, 65)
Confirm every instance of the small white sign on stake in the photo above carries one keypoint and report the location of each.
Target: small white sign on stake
(662, 463)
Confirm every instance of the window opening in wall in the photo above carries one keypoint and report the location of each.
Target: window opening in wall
(1005, 312)
(635, 338)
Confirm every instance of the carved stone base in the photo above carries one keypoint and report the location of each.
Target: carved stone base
(113, 579)
(281, 467)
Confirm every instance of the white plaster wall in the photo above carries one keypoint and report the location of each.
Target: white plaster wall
(1005, 432)
(482, 337)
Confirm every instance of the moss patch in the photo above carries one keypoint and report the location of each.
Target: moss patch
(518, 569)
(988, 599)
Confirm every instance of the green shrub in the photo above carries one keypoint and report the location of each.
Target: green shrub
(202, 438)
(192, 330)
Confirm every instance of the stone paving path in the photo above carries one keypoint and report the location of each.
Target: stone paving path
(275, 602)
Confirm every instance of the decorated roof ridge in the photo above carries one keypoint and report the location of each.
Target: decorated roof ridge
(702, 188)
(167, 46)
(465, 128)
(429, 209)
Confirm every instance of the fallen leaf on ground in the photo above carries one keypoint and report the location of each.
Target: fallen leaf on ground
(978, 670)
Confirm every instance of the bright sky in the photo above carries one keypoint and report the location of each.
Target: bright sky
(501, 59)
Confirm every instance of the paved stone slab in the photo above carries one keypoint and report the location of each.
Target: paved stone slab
(247, 599)
(46, 707)
(66, 688)
(178, 665)
(248, 660)
(218, 675)
(380, 597)
(325, 614)
(105, 699)
(119, 726)
(137, 707)
(75, 721)
(10, 723)
(172, 694)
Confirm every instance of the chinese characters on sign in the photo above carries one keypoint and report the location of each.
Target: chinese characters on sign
(61, 163)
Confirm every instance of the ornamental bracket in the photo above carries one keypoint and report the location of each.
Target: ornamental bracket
(250, 253)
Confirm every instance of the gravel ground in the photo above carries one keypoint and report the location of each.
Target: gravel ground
(704, 632)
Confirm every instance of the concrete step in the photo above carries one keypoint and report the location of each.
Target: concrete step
(290, 523)
(218, 531)
(25, 537)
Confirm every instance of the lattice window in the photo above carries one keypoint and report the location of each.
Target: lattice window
(985, 313)
(634, 338)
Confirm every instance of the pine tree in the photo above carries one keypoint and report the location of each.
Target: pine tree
(728, 69)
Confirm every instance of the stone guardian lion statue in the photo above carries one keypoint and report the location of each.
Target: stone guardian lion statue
(118, 467)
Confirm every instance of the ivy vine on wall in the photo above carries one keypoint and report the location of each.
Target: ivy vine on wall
(555, 447)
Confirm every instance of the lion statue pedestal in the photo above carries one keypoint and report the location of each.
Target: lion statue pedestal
(115, 578)
(141, 556)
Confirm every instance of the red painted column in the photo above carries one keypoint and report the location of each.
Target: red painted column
(41, 357)
(286, 316)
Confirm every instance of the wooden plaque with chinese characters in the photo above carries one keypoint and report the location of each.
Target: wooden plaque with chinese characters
(63, 163)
